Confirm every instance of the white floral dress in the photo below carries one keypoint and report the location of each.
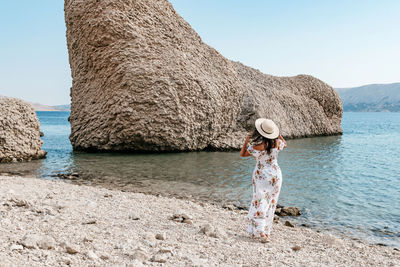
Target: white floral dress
(267, 182)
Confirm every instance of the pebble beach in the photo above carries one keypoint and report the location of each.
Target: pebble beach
(53, 223)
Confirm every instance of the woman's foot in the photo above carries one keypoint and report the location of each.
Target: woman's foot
(264, 238)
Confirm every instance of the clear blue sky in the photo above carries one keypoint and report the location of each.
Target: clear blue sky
(344, 43)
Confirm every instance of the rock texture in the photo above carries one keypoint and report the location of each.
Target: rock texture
(143, 80)
(19, 132)
(302, 105)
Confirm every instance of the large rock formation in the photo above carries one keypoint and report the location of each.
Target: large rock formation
(19, 132)
(302, 105)
(143, 80)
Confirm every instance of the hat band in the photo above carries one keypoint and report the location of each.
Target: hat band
(265, 130)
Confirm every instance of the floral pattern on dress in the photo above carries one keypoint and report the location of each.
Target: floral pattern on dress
(267, 182)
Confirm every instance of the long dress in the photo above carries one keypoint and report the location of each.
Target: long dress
(267, 182)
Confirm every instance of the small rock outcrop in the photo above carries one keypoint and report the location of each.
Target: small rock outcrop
(143, 80)
(19, 132)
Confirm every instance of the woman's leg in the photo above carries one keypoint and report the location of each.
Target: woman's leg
(271, 210)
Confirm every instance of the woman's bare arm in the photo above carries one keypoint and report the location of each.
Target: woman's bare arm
(244, 152)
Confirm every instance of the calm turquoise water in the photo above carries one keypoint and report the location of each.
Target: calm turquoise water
(349, 183)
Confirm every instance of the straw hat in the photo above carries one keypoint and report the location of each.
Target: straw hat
(267, 128)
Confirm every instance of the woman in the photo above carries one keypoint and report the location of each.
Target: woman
(267, 176)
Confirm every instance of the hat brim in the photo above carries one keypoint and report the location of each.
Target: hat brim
(273, 135)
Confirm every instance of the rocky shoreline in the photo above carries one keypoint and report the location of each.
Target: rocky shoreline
(55, 223)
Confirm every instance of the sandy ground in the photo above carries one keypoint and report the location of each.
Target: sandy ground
(47, 223)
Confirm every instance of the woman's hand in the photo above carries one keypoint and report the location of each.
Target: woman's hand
(248, 137)
(244, 152)
(283, 140)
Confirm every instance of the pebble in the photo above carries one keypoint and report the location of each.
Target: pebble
(289, 224)
(71, 249)
(188, 221)
(91, 255)
(161, 236)
(20, 202)
(87, 239)
(30, 240)
(90, 222)
(104, 256)
(46, 242)
(209, 230)
(181, 216)
(296, 248)
(140, 254)
(135, 263)
(160, 258)
(229, 207)
(66, 260)
(133, 217)
(16, 247)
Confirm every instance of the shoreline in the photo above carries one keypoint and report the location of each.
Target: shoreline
(296, 220)
(58, 223)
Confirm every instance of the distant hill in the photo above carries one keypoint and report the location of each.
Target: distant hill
(40, 107)
(371, 98)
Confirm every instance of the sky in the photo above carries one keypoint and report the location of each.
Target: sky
(344, 43)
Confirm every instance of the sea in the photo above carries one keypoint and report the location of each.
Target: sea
(347, 184)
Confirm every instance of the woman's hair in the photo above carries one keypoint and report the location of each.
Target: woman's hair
(257, 138)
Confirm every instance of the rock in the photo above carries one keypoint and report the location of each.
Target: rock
(140, 254)
(196, 261)
(241, 207)
(104, 256)
(161, 236)
(91, 255)
(87, 239)
(229, 207)
(41, 134)
(288, 211)
(208, 228)
(296, 248)
(135, 263)
(302, 106)
(161, 258)
(30, 240)
(162, 75)
(276, 218)
(20, 202)
(92, 221)
(187, 221)
(133, 217)
(71, 249)
(46, 242)
(211, 231)
(66, 260)
(19, 131)
(289, 224)
(181, 216)
(165, 250)
(143, 80)
(16, 247)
